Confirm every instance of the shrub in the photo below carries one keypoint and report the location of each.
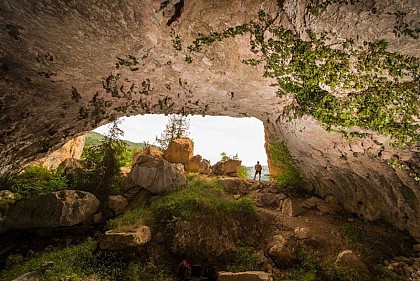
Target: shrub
(289, 178)
(243, 172)
(35, 180)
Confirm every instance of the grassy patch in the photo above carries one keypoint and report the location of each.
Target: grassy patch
(80, 261)
(71, 261)
(202, 196)
(289, 178)
(245, 260)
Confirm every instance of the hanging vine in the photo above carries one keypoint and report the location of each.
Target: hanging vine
(343, 87)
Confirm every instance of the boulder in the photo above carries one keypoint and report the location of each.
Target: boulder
(270, 200)
(157, 175)
(281, 249)
(127, 238)
(55, 209)
(291, 208)
(180, 151)
(234, 185)
(245, 276)
(312, 202)
(324, 208)
(348, 260)
(151, 151)
(227, 167)
(117, 204)
(215, 238)
(332, 202)
(198, 165)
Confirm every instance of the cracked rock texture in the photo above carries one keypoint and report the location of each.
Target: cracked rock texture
(67, 67)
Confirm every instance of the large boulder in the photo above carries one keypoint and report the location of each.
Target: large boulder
(157, 175)
(151, 151)
(245, 276)
(122, 239)
(180, 151)
(227, 167)
(55, 209)
(198, 165)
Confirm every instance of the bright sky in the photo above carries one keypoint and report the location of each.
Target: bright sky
(212, 135)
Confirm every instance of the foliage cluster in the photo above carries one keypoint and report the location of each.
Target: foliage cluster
(96, 139)
(344, 86)
(178, 126)
(245, 259)
(102, 165)
(81, 261)
(36, 180)
(289, 177)
(202, 196)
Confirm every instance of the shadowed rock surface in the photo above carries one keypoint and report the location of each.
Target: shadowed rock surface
(67, 67)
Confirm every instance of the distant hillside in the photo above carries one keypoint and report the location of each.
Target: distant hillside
(94, 138)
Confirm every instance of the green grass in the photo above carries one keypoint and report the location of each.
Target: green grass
(289, 178)
(82, 260)
(202, 196)
(245, 260)
(71, 261)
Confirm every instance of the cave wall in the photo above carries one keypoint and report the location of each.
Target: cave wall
(67, 67)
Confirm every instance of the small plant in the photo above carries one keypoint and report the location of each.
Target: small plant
(289, 177)
(36, 180)
(245, 260)
(243, 172)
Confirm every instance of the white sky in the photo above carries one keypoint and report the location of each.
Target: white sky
(212, 135)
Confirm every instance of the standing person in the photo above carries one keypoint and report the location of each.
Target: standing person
(258, 169)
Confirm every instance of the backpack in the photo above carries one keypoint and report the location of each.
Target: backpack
(184, 271)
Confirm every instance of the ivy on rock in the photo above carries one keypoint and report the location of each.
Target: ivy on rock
(344, 86)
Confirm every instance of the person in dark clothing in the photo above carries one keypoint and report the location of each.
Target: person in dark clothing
(258, 169)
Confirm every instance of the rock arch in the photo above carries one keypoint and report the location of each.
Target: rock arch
(67, 67)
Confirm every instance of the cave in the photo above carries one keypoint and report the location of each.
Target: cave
(67, 67)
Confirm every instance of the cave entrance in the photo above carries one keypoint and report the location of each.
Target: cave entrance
(212, 135)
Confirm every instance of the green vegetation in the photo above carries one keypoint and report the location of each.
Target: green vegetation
(245, 260)
(177, 127)
(289, 177)
(345, 86)
(36, 180)
(82, 260)
(102, 165)
(95, 139)
(202, 196)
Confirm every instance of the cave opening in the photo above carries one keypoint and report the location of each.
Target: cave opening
(212, 136)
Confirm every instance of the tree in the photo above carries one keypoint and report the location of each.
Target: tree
(102, 173)
(178, 126)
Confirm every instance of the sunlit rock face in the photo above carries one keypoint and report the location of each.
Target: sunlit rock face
(67, 67)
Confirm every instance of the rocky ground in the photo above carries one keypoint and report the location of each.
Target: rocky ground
(295, 226)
